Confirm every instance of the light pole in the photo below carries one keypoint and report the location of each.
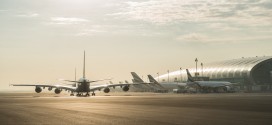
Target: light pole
(158, 77)
(180, 74)
(196, 60)
(202, 68)
(168, 75)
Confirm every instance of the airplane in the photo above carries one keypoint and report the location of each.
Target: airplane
(83, 85)
(154, 86)
(209, 85)
(140, 84)
(170, 86)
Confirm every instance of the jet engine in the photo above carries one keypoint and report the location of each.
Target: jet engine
(57, 91)
(38, 89)
(125, 88)
(107, 90)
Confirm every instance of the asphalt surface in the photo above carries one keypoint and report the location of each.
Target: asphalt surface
(136, 109)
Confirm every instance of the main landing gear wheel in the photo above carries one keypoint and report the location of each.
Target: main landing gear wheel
(71, 94)
(93, 94)
(87, 94)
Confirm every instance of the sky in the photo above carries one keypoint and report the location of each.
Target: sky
(43, 41)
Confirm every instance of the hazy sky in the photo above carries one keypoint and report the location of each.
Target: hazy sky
(43, 40)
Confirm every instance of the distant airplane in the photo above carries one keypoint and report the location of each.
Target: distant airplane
(209, 85)
(143, 86)
(168, 85)
(149, 85)
(80, 87)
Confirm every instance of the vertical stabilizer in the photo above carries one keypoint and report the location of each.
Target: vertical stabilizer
(75, 79)
(190, 78)
(84, 65)
(136, 78)
(151, 79)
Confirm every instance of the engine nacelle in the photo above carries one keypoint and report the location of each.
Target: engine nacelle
(107, 90)
(38, 89)
(125, 88)
(57, 91)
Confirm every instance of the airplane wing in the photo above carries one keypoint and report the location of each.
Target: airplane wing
(112, 85)
(213, 84)
(49, 86)
(99, 87)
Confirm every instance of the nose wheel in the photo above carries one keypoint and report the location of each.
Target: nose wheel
(93, 94)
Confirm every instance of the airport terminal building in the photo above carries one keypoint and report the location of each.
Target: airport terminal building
(250, 74)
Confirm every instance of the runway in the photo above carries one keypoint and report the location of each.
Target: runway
(136, 109)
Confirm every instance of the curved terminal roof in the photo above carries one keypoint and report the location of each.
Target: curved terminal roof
(242, 68)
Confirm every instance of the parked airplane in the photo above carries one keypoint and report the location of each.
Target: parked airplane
(154, 86)
(137, 79)
(81, 86)
(170, 86)
(209, 85)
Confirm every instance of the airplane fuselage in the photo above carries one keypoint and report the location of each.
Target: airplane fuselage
(83, 85)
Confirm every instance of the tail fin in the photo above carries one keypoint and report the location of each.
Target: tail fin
(190, 78)
(151, 79)
(136, 78)
(133, 81)
(75, 85)
(84, 65)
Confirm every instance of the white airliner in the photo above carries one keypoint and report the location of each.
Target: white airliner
(82, 86)
(204, 86)
(208, 86)
(170, 86)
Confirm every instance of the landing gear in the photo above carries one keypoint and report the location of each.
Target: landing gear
(87, 94)
(82, 94)
(72, 93)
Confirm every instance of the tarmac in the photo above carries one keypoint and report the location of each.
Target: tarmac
(136, 109)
